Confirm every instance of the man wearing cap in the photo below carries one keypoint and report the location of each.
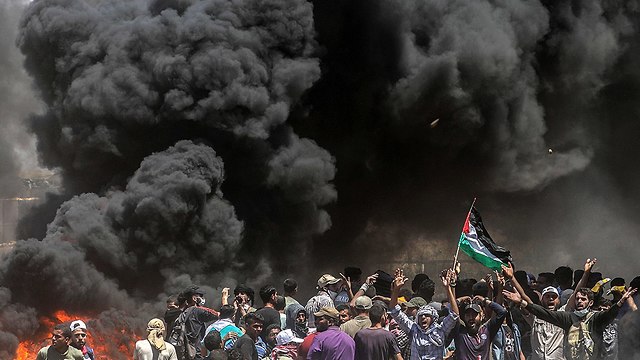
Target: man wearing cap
(79, 339)
(330, 343)
(428, 334)
(59, 348)
(374, 342)
(154, 347)
(361, 321)
(328, 287)
(546, 338)
(286, 346)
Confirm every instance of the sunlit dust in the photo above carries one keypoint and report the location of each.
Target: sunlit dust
(109, 342)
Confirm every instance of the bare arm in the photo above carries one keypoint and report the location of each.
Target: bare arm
(225, 296)
(588, 265)
(396, 285)
(371, 279)
(508, 274)
(398, 356)
(448, 277)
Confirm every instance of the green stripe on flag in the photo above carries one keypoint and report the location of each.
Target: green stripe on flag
(487, 260)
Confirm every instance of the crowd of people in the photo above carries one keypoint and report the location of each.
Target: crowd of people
(507, 315)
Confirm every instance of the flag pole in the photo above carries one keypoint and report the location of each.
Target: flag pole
(455, 259)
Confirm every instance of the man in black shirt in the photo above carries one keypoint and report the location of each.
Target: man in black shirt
(271, 316)
(247, 342)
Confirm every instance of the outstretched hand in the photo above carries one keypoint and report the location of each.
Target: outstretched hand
(399, 280)
(512, 296)
(371, 279)
(507, 271)
(448, 277)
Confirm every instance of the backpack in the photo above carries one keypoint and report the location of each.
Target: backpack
(178, 338)
(579, 343)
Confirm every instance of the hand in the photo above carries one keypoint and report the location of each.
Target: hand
(507, 271)
(371, 279)
(588, 265)
(500, 279)
(447, 277)
(457, 268)
(225, 292)
(489, 280)
(399, 280)
(512, 296)
(464, 300)
(627, 294)
(346, 281)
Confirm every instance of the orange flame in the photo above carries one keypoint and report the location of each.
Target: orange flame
(107, 346)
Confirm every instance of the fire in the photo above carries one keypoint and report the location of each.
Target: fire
(114, 340)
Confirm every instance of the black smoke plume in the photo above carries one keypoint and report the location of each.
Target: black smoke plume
(200, 140)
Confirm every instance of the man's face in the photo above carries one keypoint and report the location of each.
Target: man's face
(271, 336)
(344, 316)
(322, 323)
(472, 320)
(411, 311)
(79, 338)
(301, 317)
(335, 287)
(424, 321)
(582, 301)
(59, 341)
(254, 330)
(244, 296)
(550, 300)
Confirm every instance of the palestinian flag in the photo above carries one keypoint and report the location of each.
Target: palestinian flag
(476, 242)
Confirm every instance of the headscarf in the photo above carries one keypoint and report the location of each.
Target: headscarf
(433, 336)
(300, 329)
(155, 327)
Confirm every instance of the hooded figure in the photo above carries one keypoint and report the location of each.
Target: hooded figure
(299, 328)
(154, 344)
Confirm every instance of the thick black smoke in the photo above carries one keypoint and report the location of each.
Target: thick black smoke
(198, 138)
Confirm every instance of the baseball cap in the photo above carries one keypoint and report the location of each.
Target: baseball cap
(474, 307)
(78, 324)
(327, 311)
(363, 303)
(327, 279)
(285, 337)
(550, 289)
(416, 302)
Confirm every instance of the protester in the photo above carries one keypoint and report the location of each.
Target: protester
(290, 291)
(330, 343)
(286, 346)
(583, 328)
(361, 321)
(213, 344)
(189, 328)
(247, 342)
(154, 347)
(60, 348)
(225, 326)
(79, 339)
(172, 313)
(243, 302)
(374, 342)
(272, 332)
(271, 316)
(427, 332)
(345, 313)
(328, 287)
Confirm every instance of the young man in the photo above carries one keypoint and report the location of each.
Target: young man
(271, 316)
(328, 287)
(213, 343)
(361, 321)
(426, 332)
(290, 290)
(247, 343)
(374, 342)
(79, 339)
(225, 326)
(59, 348)
(330, 343)
(154, 347)
(546, 338)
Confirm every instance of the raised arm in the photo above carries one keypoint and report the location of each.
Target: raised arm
(371, 279)
(448, 277)
(225, 296)
(397, 284)
(588, 265)
(507, 271)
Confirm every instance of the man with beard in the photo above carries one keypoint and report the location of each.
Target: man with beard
(328, 287)
(583, 328)
(79, 339)
(330, 343)
(59, 348)
(546, 338)
(473, 338)
(427, 334)
(154, 347)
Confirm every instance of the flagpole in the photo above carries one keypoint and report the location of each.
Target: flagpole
(455, 259)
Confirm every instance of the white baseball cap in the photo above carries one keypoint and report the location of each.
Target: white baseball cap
(286, 336)
(78, 324)
(550, 289)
